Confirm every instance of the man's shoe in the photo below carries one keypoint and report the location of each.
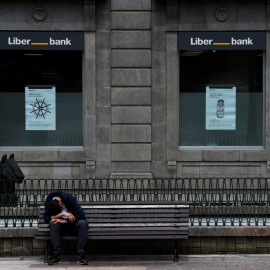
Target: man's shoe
(55, 259)
(81, 260)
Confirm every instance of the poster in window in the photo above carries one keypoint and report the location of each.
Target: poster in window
(40, 113)
(220, 108)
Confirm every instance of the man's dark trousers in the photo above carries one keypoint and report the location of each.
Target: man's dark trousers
(79, 228)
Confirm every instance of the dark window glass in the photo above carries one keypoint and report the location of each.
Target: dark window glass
(62, 69)
(242, 69)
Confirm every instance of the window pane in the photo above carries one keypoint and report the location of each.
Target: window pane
(62, 69)
(244, 70)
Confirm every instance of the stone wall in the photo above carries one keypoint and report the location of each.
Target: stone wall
(202, 240)
(194, 245)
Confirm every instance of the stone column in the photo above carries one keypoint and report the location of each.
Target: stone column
(131, 88)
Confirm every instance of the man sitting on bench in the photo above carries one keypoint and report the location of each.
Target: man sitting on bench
(65, 215)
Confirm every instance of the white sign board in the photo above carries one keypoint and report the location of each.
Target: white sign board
(40, 113)
(220, 110)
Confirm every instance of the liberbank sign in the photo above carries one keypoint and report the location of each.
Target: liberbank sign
(42, 41)
(221, 41)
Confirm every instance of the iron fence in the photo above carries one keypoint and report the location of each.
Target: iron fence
(213, 201)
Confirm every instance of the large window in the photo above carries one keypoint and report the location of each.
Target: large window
(61, 71)
(221, 97)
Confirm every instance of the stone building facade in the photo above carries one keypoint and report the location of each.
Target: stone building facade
(130, 88)
(128, 85)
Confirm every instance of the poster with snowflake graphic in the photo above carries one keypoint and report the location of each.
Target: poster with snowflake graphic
(40, 113)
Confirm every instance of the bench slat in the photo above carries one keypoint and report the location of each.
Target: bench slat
(132, 203)
(130, 206)
(134, 206)
(135, 220)
(102, 225)
(132, 210)
(133, 214)
(98, 230)
(130, 215)
(108, 231)
(136, 224)
(122, 237)
(141, 237)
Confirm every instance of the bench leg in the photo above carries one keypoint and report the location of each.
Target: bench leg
(48, 246)
(175, 259)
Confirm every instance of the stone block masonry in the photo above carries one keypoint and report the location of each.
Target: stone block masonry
(202, 240)
(131, 81)
(192, 246)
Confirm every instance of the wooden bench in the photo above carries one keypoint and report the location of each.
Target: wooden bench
(129, 220)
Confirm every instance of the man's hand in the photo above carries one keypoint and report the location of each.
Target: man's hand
(57, 220)
(70, 217)
(57, 216)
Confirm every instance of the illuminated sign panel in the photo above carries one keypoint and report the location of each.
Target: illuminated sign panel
(221, 41)
(41, 41)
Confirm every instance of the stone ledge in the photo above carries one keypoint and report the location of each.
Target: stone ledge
(131, 176)
(194, 231)
(229, 231)
(18, 232)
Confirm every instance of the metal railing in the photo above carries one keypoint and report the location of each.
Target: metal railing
(213, 201)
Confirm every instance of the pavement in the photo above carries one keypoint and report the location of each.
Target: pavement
(188, 262)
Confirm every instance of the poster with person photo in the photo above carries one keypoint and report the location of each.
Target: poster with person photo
(220, 108)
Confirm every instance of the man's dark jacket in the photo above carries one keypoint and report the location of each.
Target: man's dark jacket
(69, 201)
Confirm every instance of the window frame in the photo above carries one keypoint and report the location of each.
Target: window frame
(71, 153)
(263, 110)
(207, 153)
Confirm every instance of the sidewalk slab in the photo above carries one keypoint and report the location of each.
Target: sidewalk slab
(190, 262)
